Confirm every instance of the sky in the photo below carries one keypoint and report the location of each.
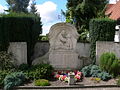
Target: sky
(50, 11)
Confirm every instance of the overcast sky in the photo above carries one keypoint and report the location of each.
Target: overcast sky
(50, 11)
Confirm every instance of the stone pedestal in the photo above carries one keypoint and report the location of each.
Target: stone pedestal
(64, 59)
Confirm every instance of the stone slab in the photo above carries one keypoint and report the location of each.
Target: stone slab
(105, 46)
(19, 51)
(64, 60)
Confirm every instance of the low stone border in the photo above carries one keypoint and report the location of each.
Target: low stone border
(64, 87)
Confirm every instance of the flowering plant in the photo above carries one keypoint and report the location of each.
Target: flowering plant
(63, 75)
(95, 79)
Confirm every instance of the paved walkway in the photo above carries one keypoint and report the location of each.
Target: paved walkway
(69, 88)
(76, 89)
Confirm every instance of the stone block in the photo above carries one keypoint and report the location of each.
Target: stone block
(19, 51)
(66, 60)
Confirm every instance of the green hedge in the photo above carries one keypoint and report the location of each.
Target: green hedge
(102, 29)
(20, 29)
(4, 41)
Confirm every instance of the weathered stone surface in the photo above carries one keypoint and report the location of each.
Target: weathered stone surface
(63, 39)
(43, 59)
(19, 51)
(83, 50)
(64, 60)
(42, 48)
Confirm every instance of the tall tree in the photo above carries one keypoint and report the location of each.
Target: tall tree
(81, 11)
(18, 5)
(33, 9)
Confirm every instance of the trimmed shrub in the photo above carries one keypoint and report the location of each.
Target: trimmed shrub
(20, 28)
(102, 29)
(110, 63)
(41, 82)
(13, 79)
(4, 40)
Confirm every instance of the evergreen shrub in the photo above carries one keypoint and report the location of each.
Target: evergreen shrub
(95, 71)
(13, 79)
(110, 63)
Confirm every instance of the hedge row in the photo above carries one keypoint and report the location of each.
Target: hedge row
(19, 29)
(100, 30)
(4, 40)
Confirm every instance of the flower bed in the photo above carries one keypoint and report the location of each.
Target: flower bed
(63, 75)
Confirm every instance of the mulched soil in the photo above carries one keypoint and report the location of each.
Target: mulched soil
(85, 82)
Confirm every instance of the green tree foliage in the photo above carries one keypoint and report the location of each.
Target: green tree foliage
(79, 12)
(18, 5)
(33, 8)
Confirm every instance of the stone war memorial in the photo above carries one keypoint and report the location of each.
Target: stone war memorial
(62, 52)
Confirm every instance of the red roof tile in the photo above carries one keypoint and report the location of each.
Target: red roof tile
(114, 11)
(109, 6)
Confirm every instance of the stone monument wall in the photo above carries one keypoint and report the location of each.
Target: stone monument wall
(103, 46)
(63, 39)
(83, 50)
(19, 51)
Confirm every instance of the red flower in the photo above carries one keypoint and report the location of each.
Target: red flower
(75, 72)
(57, 76)
(59, 72)
(67, 72)
(79, 73)
(77, 77)
(53, 73)
(63, 78)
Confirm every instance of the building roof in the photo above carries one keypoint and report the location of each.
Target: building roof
(113, 11)
(109, 6)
